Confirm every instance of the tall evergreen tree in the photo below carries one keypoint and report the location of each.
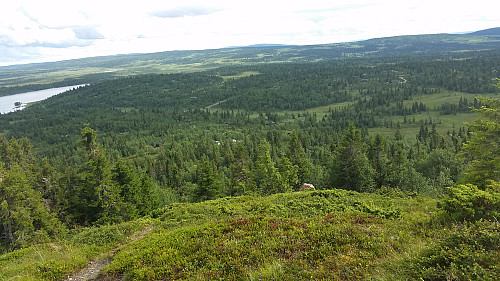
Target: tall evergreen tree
(264, 173)
(208, 185)
(483, 148)
(296, 155)
(24, 218)
(351, 169)
(377, 155)
(241, 181)
(95, 197)
(289, 175)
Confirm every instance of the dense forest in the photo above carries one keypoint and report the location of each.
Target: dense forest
(123, 148)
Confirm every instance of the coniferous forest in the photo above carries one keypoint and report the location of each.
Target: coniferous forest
(209, 172)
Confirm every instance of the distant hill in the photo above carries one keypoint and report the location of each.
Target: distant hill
(261, 46)
(489, 32)
(88, 70)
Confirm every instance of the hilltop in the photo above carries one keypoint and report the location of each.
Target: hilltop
(490, 32)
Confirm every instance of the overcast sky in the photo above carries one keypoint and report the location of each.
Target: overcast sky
(50, 30)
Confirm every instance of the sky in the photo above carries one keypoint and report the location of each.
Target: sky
(51, 30)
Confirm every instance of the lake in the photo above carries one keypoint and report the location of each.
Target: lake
(11, 103)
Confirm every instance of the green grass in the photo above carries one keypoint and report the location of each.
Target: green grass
(319, 235)
(444, 123)
(241, 75)
(56, 260)
(315, 235)
(259, 247)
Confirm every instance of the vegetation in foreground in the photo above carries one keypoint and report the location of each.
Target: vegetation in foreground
(318, 235)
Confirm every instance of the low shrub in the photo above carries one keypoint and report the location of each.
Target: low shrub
(470, 251)
(468, 202)
(331, 247)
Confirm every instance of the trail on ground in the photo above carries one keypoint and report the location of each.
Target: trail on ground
(92, 270)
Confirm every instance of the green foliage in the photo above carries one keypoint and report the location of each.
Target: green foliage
(296, 154)
(104, 236)
(387, 212)
(441, 166)
(102, 192)
(57, 259)
(208, 186)
(166, 125)
(352, 170)
(299, 205)
(484, 146)
(244, 247)
(471, 251)
(24, 219)
(289, 175)
(468, 202)
(327, 234)
(266, 176)
(201, 136)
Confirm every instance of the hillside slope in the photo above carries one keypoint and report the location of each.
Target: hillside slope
(239, 238)
(315, 235)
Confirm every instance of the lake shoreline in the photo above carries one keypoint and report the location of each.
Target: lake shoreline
(16, 102)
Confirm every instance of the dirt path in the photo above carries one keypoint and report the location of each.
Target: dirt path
(92, 270)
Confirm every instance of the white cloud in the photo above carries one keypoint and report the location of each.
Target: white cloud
(184, 11)
(57, 29)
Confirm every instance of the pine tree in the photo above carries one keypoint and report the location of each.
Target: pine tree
(208, 185)
(483, 148)
(296, 155)
(240, 177)
(351, 169)
(264, 173)
(24, 219)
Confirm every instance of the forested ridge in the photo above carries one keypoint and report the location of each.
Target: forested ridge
(120, 149)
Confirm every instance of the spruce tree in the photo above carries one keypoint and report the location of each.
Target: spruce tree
(264, 173)
(351, 169)
(24, 218)
(208, 187)
(298, 158)
(483, 148)
(95, 197)
(289, 175)
(240, 178)
(377, 155)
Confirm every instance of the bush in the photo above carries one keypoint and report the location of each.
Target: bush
(471, 251)
(468, 202)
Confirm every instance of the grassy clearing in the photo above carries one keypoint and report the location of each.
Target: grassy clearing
(56, 260)
(323, 110)
(411, 128)
(444, 123)
(241, 75)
